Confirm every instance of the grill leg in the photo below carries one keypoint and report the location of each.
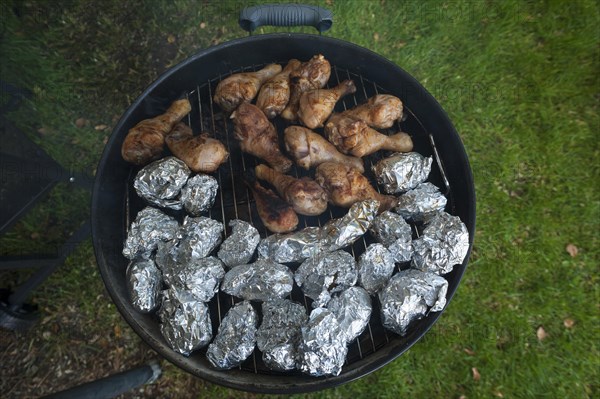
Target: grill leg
(113, 385)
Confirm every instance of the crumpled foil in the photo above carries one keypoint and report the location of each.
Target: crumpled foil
(198, 238)
(185, 321)
(375, 267)
(443, 244)
(160, 182)
(144, 283)
(279, 334)
(259, 281)
(201, 277)
(311, 241)
(150, 227)
(198, 194)
(353, 310)
(395, 234)
(236, 337)
(421, 203)
(239, 247)
(408, 296)
(325, 274)
(323, 347)
(402, 171)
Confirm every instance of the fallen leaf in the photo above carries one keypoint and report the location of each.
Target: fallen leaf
(170, 39)
(376, 36)
(476, 375)
(572, 250)
(46, 334)
(462, 397)
(35, 236)
(105, 140)
(117, 330)
(498, 394)
(100, 127)
(469, 352)
(541, 333)
(81, 122)
(202, 25)
(43, 131)
(568, 322)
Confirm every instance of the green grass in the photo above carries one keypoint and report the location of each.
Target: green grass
(519, 80)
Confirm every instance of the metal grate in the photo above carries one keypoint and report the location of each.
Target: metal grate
(234, 199)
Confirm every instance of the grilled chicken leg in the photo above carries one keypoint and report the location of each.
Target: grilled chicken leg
(316, 105)
(311, 75)
(146, 140)
(275, 93)
(200, 153)
(258, 136)
(380, 112)
(311, 149)
(242, 87)
(346, 185)
(355, 137)
(276, 214)
(304, 195)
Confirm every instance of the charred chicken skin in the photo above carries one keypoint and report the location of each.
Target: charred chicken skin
(317, 105)
(379, 112)
(146, 140)
(242, 87)
(201, 154)
(355, 137)
(258, 136)
(305, 195)
(345, 186)
(311, 75)
(274, 95)
(309, 149)
(276, 214)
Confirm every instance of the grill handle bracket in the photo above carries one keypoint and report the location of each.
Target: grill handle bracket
(285, 15)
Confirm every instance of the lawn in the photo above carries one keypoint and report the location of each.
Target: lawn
(520, 81)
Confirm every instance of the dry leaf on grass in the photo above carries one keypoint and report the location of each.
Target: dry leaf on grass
(568, 323)
(469, 352)
(476, 375)
(43, 131)
(202, 25)
(572, 250)
(541, 333)
(100, 127)
(81, 122)
(171, 39)
(376, 36)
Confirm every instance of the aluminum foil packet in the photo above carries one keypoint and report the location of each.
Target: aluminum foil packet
(293, 247)
(443, 244)
(160, 182)
(144, 282)
(236, 337)
(325, 274)
(279, 334)
(402, 171)
(323, 346)
(395, 234)
(421, 203)
(259, 281)
(198, 237)
(340, 233)
(409, 296)
(185, 321)
(375, 267)
(150, 227)
(352, 308)
(199, 193)
(200, 277)
(239, 247)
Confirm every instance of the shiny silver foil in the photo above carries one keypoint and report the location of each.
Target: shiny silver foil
(160, 182)
(201, 277)
(443, 244)
(144, 284)
(375, 267)
(198, 238)
(402, 171)
(236, 337)
(352, 308)
(198, 194)
(325, 274)
(185, 321)
(259, 281)
(150, 227)
(279, 334)
(395, 234)
(239, 247)
(311, 241)
(409, 295)
(421, 203)
(323, 347)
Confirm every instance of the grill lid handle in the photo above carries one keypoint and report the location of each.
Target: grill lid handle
(285, 15)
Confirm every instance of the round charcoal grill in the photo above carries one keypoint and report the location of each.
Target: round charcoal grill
(115, 203)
